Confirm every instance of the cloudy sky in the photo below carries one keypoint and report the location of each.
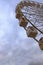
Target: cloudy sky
(15, 47)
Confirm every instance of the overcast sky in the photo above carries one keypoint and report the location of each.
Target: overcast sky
(15, 47)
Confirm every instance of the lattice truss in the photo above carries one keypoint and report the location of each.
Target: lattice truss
(30, 16)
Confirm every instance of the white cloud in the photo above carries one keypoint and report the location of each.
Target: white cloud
(10, 53)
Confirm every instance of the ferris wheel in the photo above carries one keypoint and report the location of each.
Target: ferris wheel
(30, 16)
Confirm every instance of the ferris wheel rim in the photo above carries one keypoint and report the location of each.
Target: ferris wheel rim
(21, 6)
